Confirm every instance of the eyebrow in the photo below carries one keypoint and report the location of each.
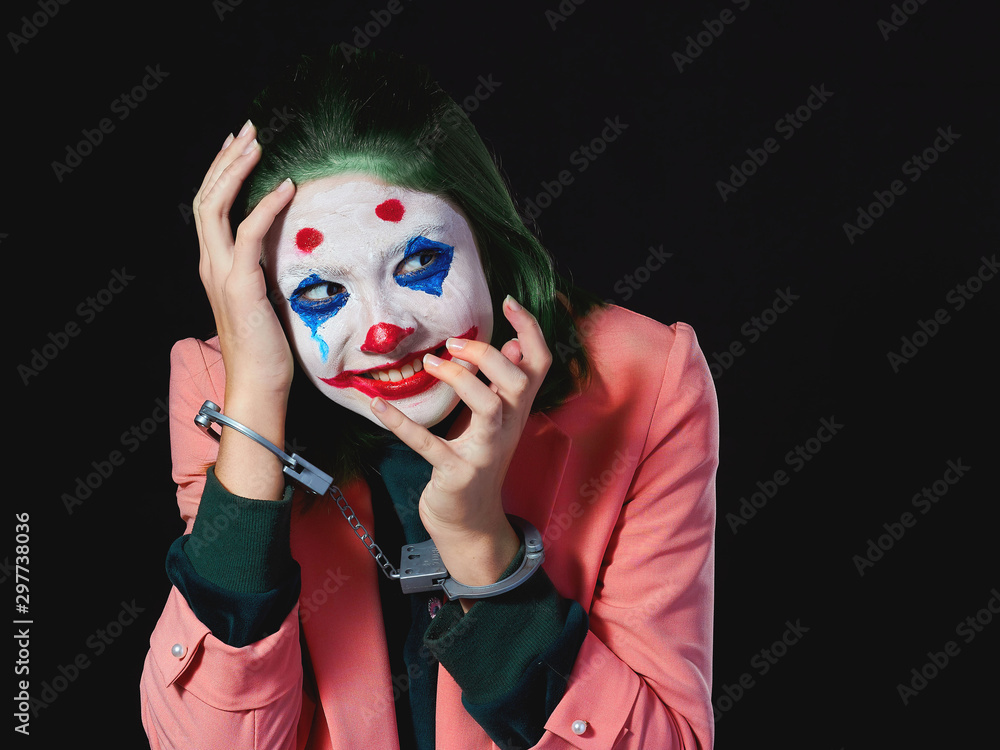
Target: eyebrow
(333, 270)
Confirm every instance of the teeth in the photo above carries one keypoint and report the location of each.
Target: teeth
(394, 376)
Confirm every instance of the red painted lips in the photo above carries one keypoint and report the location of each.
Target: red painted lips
(371, 386)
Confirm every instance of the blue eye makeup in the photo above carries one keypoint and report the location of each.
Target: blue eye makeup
(425, 265)
(315, 301)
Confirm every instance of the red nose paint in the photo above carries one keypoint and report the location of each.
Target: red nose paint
(308, 239)
(384, 337)
(390, 210)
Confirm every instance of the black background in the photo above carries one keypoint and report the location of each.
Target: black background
(124, 207)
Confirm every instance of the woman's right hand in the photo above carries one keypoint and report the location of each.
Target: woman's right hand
(254, 346)
(255, 350)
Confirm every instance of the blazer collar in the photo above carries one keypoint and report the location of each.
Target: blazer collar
(340, 615)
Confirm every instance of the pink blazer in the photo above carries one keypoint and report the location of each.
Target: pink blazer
(621, 482)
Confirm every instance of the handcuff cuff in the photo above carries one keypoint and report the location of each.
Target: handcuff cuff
(422, 568)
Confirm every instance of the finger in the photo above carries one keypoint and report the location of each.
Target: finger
(484, 404)
(420, 439)
(499, 368)
(207, 179)
(230, 153)
(512, 351)
(251, 232)
(216, 205)
(196, 202)
(231, 150)
(536, 355)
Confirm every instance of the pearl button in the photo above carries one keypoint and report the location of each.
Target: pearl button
(579, 726)
(178, 650)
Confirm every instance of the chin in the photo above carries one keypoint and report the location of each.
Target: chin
(426, 409)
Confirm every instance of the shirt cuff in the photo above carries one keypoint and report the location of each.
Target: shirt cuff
(239, 544)
(236, 619)
(491, 648)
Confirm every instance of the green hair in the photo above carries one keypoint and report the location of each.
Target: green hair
(378, 114)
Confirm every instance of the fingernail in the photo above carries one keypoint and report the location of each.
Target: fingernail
(379, 405)
(246, 128)
(250, 146)
(512, 304)
(285, 186)
(229, 140)
(431, 361)
(455, 344)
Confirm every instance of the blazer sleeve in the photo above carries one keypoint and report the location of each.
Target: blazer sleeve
(195, 690)
(647, 658)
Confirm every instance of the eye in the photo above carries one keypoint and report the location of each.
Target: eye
(315, 301)
(416, 262)
(321, 292)
(317, 296)
(425, 265)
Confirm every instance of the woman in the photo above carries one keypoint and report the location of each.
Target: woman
(415, 300)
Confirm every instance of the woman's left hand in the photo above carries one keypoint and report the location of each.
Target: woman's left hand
(461, 506)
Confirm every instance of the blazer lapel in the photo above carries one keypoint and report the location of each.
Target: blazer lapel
(341, 619)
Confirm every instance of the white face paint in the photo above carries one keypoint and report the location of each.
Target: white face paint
(372, 277)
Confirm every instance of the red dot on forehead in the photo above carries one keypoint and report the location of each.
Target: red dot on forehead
(308, 239)
(390, 210)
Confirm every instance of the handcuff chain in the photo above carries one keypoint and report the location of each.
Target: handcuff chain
(423, 568)
(362, 533)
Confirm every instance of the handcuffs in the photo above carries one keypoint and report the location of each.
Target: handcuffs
(422, 568)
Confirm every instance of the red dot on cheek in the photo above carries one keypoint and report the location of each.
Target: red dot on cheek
(308, 239)
(390, 210)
